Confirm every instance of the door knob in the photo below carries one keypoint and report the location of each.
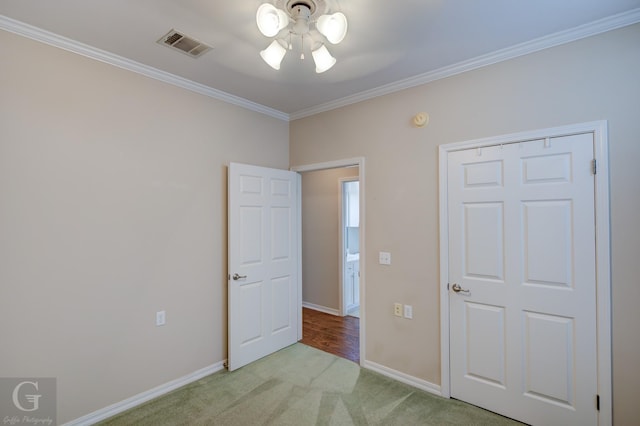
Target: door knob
(237, 277)
(456, 287)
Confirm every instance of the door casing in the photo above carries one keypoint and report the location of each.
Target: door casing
(603, 267)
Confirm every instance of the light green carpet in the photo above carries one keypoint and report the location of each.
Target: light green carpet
(300, 385)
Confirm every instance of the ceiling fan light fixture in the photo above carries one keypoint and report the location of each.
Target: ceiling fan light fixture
(298, 19)
(274, 54)
(333, 27)
(323, 59)
(271, 20)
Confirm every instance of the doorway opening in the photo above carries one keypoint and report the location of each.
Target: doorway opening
(332, 212)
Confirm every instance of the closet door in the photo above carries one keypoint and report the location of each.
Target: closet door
(523, 280)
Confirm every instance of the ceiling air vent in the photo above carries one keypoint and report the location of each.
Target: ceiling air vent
(184, 43)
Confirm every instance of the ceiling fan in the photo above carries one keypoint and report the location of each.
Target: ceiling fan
(295, 18)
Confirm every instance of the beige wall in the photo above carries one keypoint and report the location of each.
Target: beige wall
(112, 207)
(591, 79)
(321, 236)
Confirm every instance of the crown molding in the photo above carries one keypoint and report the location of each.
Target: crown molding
(587, 30)
(583, 31)
(38, 34)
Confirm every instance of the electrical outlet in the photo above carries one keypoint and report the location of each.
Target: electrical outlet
(161, 318)
(408, 311)
(397, 309)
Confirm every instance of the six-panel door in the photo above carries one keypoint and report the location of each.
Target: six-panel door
(263, 262)
(522, 250)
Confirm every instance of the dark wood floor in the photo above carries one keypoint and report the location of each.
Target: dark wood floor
(337, 335)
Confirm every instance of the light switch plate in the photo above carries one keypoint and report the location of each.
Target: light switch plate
(408, 311)
(161, 318)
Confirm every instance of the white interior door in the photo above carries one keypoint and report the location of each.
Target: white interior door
(264, 304)
(522, 257)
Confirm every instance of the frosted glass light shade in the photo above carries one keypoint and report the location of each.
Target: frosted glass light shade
(273, 54)
(323, 59)
(270, 19)
(333, 27)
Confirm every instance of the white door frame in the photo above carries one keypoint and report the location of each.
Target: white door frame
(348, 162)
(342, 219)
(603, 267)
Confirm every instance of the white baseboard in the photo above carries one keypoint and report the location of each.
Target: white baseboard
(321, 308)
(143, 397)
(403, 377)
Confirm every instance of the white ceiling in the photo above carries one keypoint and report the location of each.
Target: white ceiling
(390, 44)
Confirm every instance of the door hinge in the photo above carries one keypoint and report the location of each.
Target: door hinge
(598, 402)
(594, 167)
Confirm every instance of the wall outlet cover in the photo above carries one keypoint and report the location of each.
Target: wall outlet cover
(397, 309)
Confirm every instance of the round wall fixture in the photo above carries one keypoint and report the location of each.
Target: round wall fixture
(421, 119)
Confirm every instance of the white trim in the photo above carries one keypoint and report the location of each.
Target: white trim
(321, 308)
(143, 397)
(299, 253)
(363, 269)
(91, 52)
(347, 162)
(443, 151)
(351, 162)
(603, 274)
(583, 31)
(603, 266)
(404, 378)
